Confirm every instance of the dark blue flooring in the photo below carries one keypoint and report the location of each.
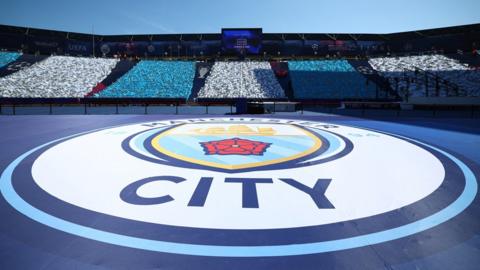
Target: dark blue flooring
(25, 244)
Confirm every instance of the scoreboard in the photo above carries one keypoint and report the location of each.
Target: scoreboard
(243, 41)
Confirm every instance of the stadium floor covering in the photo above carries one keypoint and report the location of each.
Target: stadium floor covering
(240, 192)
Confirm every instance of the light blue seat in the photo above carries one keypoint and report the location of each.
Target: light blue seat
(154, 79)
(8, 57)
(328, 79)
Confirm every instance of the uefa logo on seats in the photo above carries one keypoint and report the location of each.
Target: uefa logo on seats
(221, 186)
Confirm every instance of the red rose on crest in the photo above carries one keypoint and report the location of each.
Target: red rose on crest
(235, 146)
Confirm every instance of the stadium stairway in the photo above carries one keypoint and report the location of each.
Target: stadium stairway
(384, 89)
(122, 67)
(283, 76)
(24, 61)
(202, 70)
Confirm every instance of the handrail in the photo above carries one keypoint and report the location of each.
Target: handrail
(453, 86)
(449, 86)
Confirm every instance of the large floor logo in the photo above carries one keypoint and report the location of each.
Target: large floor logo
(238, 186)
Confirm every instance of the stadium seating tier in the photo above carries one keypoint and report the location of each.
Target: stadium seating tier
(154, 79)
(446, 68)
(328, 79)
(248, 79)
(57, 77)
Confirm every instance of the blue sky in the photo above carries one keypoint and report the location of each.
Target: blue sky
(209, 16)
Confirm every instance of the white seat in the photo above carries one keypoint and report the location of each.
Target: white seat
(249, 79)
(446, 68)
(57, 76)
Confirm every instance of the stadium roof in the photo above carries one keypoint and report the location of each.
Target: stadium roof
(471, 28)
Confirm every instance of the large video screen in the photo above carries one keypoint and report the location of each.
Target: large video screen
(245, 41)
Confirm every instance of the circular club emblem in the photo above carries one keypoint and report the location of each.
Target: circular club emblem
(238, 186)
(151, 48)
(105, 48)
